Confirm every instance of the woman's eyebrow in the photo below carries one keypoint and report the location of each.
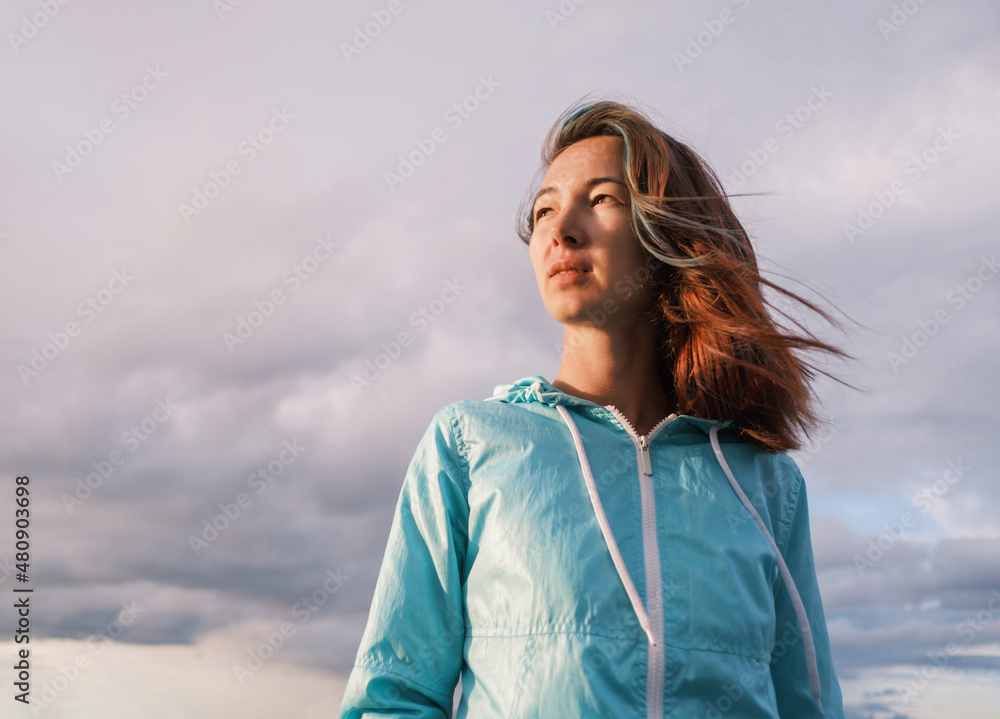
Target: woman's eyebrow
(592, 182)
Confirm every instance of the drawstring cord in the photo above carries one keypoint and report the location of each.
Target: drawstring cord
(602, 520)
(800, 609)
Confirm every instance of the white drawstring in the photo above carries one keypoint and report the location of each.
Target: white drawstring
(602, 520)
(800, 609)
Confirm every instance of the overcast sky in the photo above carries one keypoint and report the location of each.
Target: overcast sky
(214, 214)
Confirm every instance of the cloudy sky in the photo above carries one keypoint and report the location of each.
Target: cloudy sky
(209, 222)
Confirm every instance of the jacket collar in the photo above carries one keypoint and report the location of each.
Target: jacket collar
(537, 389)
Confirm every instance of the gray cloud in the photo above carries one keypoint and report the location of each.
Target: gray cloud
(162, 336)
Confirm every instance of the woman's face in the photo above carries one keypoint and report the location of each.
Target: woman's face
(583, 224)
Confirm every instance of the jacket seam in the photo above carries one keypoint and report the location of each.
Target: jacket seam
(526, 661)
(390, 669)
(758, 657)
(463, 450)
(542, 630)
(788, 515)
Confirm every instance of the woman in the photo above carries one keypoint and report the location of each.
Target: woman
(632, 538)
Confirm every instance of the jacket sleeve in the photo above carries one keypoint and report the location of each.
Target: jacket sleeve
(789, 668)
(412, 649)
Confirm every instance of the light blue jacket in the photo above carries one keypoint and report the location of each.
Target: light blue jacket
(559, 565)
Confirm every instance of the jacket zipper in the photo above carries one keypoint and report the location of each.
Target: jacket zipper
(651, 554)
(647, 466)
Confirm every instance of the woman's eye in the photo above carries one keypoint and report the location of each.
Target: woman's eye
(610, 197)
(539, 213)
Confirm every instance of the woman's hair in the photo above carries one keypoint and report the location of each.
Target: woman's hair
(720, 349)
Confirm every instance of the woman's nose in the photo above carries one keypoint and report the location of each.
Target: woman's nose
(565, 230)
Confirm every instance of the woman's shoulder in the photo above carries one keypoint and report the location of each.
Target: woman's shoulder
(778, 486)
(778, 474)
(478, 417)
(503, 403)
(475, 428)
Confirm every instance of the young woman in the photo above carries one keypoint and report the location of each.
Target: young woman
(631, 539)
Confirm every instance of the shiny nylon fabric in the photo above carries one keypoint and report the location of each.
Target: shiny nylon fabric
(496, 573)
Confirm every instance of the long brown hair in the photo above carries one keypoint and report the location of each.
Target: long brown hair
(720, 349)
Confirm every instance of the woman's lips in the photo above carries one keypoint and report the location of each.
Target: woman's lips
(568, 277)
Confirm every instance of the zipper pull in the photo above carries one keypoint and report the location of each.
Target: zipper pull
(647, 466)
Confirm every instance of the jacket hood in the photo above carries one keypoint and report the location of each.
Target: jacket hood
(537, 389)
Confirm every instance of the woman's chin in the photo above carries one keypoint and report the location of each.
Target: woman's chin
(595, 314)
(588, 316)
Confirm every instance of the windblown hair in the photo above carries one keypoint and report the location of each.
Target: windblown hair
(720, 349)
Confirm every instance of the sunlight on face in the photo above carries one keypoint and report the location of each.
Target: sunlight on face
(585, 256)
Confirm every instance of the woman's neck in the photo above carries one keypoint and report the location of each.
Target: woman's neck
(619, 368)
